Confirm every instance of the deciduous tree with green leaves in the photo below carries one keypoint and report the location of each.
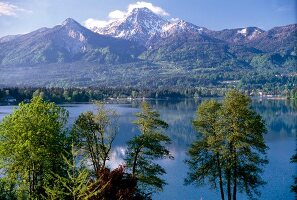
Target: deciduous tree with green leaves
(95, 133)
(230, 148)
(206, 161)
(146, 148)
(31, 141)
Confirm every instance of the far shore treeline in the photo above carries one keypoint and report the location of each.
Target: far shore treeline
(68, 95)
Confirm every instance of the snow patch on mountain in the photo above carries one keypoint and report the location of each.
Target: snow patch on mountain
(250, 32)
(180, 26)
(243, 31)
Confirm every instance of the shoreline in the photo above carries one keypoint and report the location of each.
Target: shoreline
(115, 100)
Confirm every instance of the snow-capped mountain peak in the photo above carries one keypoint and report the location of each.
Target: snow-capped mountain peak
(138, 25)
(141, 11)
(141, 25)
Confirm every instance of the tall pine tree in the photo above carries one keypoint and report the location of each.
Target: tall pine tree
(146, 148)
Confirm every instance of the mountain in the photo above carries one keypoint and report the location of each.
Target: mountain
(171, 29)
(281, 39)
(144, 27)
(139, 26)
(187, 45)
(276, 40)
(238, 35)
(180, 27)
(68, 42)
(8, 38)
(147, 28)
(191, 45)
(145, 50)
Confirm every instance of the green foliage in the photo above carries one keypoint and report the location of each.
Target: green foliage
(31, 140)
(205, 152)
(95, 134)
(230, 148)
(145, 149)
(293, 93)
(75, 185)
(7, 190)
(149, 120)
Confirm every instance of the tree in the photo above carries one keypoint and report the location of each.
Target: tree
(76, 185)
(7, 190)
(206, 158)
(246, 149)
(230, 149)
(144, 149)
(31, 139)
(95, 134)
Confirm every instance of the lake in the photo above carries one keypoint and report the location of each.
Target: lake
(281, 121)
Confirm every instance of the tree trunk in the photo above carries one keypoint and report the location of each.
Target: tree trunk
(135, 162)
(229, 184)
(230, 161)
(220, 177)
(33, 179)
(30, 183)
(235, 177)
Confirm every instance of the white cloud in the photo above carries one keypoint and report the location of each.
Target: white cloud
(117, 14)
(142, 4)
(8, 9)
(91, 23)
(120, 14)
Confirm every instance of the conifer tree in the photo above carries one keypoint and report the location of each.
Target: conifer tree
(76, 185)
(146, 148)
(206, 161)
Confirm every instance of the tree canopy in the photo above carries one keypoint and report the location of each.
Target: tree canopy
(230, 148)
(95, 133)
(31, 141)
(146, 148)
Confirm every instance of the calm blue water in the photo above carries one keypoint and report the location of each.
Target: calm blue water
(281, 120)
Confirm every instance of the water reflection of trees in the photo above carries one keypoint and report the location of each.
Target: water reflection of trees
(280, 117)
(179, 115)
(294, 157)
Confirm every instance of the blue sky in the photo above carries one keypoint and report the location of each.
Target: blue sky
(22, 16)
